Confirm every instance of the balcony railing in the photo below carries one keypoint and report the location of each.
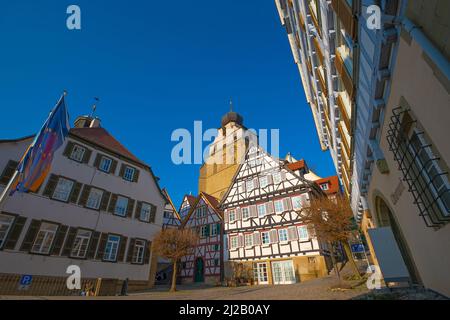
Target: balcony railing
(345, 15)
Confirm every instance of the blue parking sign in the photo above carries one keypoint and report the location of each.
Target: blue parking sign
(25, 281)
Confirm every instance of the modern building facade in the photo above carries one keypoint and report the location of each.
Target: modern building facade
(205, 264)
(263, 224)
(99, 208)
(376, 75)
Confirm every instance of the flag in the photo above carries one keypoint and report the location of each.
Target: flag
(37, 160)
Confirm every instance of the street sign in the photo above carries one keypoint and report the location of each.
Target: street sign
(357, 248)
(25, 282)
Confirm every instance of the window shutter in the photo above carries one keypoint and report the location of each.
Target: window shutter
(152, 213)
(112, 203)
(253, 211)
(287, 204)
(292, 233)
(256, 182)
(105, 199)
(59, 239)
(87, 155)
(97, 160)
(136, 175)
(208, 230)
(69, 241)
(243, 187)
(93, 245)
(122, 170)
(130, 250)
(273, 236)
(226, 216)
(238, 214)
(240, 240)
(14, 234)
(147, 252)
(113, 167)
(137, 213)
(283, 175)
(256, 238)
(130, 208)
(269, 207)
(75, 192)
(218, 228)
(51, 185)
(8, 172)
(68, 150)
(270, 179)
(84, 195)
(122, 246)
(31, 234)
(101, 246)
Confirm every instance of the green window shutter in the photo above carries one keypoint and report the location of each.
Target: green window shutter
(97, 160)
(112, 203)
(122, 247)
(75, 192)
(30, 236)
(113, 167)
(147, 252)
(59, 239)
(93, 245)
(102, 246)
(152, 213)
(137, 213)
(84, 195)
(51, 185)
(130, 250)
(208, 229)
(130, 208)
(105, 200)
(218, 225)
(87, 155)
(69, 242)
(14, 234)
(68, 150)
(8, 172)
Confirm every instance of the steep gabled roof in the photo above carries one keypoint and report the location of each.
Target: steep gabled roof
(210, 200)
(296, 165)
(169, 201)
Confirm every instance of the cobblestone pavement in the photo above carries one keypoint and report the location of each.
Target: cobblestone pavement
(317, 289)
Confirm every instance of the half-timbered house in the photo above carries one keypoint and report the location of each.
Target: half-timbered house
(262, 222)
(205, 263)
(171, 217)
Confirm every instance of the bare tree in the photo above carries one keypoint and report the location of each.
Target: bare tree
(332, 221)
(173, 244)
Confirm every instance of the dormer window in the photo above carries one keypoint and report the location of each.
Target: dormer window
(77, 153)
(324, 186)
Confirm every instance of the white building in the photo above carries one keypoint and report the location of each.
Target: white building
(99, 208)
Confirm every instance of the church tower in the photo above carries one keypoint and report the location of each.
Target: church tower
(225, 154)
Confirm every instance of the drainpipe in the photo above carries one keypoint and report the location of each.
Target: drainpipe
(428, 47)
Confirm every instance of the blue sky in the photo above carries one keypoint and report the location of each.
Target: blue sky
(156, 66)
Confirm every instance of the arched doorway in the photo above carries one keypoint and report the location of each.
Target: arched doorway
(385, 218)
(199, 270)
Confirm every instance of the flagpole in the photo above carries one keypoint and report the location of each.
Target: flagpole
(5, 192)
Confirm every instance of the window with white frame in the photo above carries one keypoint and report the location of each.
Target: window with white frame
(6, 221)
(77, 153)
(112, 247)
(214, 229)
(278, 204)
(105, 164)
(232, 215)
(262, 210)
(62, 189)
(234, 242)
(303, 233)
(201, 212)
(265, 237)
(129, 173)
(324, 186)
(296, 202)
(144, 215)
(44, 238)
(245, 212)
(138, 251)
(80, 244)
(94, 199)
(282, 235)
(264, 181)
(276, 177)
(248, 239)
(250, 185)
(204, 231)
(121, 206)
